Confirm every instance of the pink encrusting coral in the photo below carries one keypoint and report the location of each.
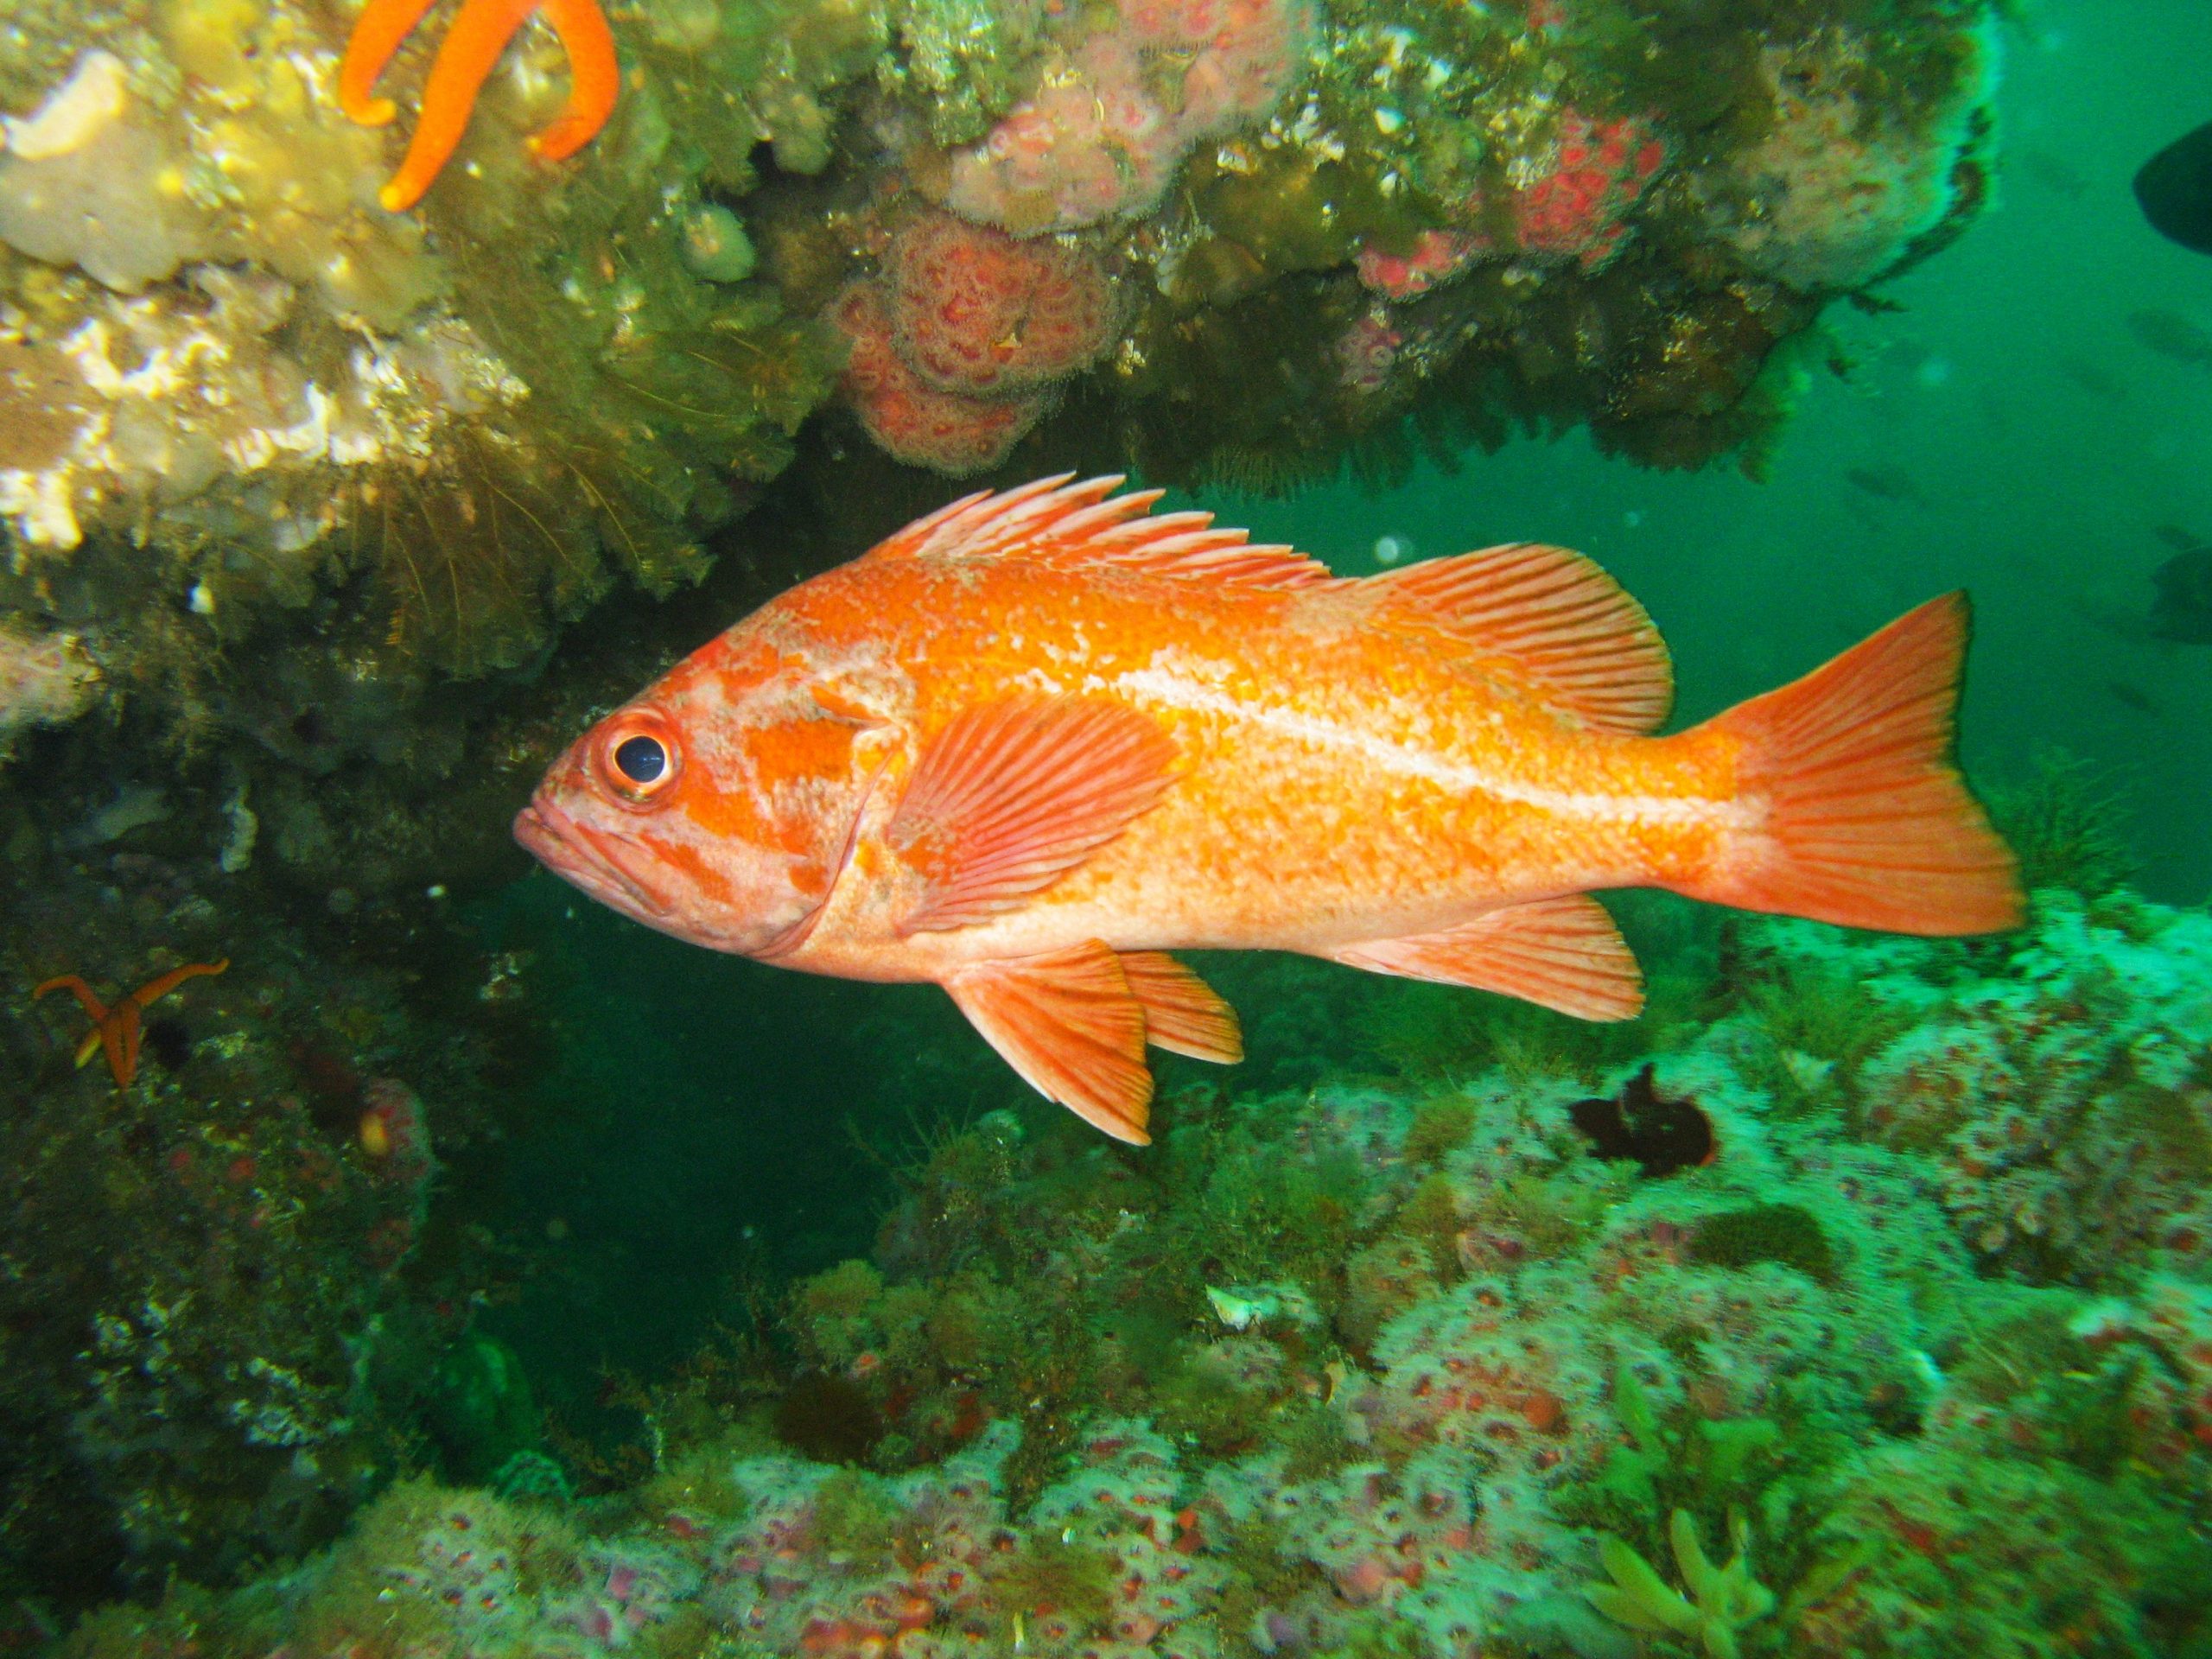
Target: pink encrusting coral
(976, 311)
(1367, 352)
(912, 419)
(1435, 258)
(811, 1568)
(1113, 113)
(958, 347)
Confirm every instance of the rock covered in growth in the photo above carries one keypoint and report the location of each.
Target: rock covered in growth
(217, 1316)
(1382, 1364)
(46, 679)
(1840, 190)
(2064, 1099)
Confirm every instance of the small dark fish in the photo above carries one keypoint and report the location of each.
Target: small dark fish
(1887, 484)
(2130, 696)
(2181, 612)
(2174, 190)
(2052, 173)
(2177, 538)
(2094, 377)
(2170, 335)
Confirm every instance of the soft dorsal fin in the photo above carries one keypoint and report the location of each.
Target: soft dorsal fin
(1563, 953)
(1070, 525)
(1068, 1022)
(1182, 1013)
(1551, 617)
(1012, 793)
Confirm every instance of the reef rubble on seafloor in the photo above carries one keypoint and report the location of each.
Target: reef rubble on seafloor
(1857, 1302)
(1227, 241)
(224, 1297)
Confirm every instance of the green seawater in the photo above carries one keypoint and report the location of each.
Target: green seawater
(1855, 1302)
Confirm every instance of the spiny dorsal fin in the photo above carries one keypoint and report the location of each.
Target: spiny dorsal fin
(1012, 793)
(1068, 1023)
(1551, 618)
(1070, 526)
(1563, 953)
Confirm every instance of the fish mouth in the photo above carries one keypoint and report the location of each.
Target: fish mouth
(588, 858)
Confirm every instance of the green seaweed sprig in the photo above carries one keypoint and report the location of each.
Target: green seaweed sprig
(1705, 1460)
(1721, 1600)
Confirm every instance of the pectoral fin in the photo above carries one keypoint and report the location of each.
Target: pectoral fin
(1011, 795)
(1563, 953)
(1069, 1022)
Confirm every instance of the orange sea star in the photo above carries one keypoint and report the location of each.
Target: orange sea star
(480, 33)
(116, 1029)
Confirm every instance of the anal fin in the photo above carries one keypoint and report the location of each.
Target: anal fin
(1182, 1013)
(1563, 953)
(1069, 1023)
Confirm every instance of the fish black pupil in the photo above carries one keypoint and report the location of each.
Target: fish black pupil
(641, 759)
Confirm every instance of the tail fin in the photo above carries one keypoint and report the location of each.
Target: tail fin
(1866, 822)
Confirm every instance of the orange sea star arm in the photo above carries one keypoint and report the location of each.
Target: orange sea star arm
(154, 990)
(377, 34)
(95, 1010)
(118, 1035)
(465, 61)
(595, 77)
(106, 1032)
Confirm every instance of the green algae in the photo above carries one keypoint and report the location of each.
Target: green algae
(1722, 1599)
(1787, 1234)
(1048, 1573)
(2067, 824)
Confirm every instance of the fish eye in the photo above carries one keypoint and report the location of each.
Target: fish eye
(639, 757)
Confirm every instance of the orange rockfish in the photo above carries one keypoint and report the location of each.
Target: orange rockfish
(1038, 739)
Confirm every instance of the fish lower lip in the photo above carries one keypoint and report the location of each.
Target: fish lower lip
(571, 850)
(609, 862)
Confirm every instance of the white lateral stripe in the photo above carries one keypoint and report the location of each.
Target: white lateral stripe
(1191, 696)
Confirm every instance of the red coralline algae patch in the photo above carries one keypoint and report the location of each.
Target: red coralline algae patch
(1578, 209)
(909, 418)
(1571, 200)
(1435, 258)
(974, 311)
